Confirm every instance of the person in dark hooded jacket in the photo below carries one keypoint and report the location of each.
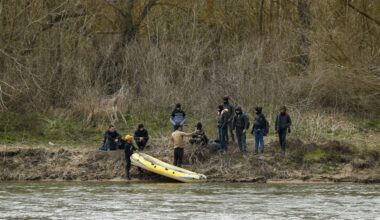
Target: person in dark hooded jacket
(141, 137)
(259, 129)
(283, 123)
(241, 124)
(178, 117)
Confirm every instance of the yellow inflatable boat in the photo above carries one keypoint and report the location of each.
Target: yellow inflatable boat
(154, 165)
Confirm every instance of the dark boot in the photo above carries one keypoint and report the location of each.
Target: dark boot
(262, 151)
(127, 174)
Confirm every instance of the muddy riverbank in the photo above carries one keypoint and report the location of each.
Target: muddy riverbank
(305, 162)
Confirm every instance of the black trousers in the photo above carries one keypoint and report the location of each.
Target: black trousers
(127, 166)
(141, 145)
(111, 145)
(241, 139)
(178, 156)
(282, 137)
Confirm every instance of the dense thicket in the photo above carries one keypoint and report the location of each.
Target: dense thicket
(97, 57)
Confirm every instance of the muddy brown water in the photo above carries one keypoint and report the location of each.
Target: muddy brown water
(100, 200)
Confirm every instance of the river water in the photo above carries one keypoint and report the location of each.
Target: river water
(86, 200)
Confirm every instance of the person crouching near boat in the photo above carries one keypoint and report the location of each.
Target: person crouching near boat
(177, 140)
(141, 137)
(129, 148)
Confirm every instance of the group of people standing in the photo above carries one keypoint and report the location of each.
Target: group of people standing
(231, 121)
(234, 119)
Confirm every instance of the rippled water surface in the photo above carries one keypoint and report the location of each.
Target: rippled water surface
(78, 200)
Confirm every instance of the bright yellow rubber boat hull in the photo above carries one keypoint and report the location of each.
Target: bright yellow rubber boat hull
(154, 165)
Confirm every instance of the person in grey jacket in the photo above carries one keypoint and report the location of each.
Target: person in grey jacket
(241, 123)
(283, 123)
(178, 117)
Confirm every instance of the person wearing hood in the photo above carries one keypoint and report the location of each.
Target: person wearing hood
(199, 136)
(178, 117)
(259, 129)
(241, 123)
(230, 116)
(141, 137)
(283, 123)
(223, 116)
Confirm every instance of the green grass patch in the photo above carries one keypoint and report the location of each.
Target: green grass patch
(34, 128)
(373, 125)
(316, 156)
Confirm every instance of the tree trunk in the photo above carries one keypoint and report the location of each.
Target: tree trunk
(304, 42)
(261, 17)
(109, 69)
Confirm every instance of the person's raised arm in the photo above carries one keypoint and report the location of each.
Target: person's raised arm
(134, 148)
(188, 134)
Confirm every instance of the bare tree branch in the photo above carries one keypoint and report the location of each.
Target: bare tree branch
(363, 13)
(61, 17)
(144, 13)
(115, 7)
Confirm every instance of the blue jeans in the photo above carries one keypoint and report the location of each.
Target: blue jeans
(259, 139)
(223, 137)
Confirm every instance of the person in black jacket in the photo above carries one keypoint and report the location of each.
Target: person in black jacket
(230, 116)
(141, 137)
(241, 124)
(283, 123)
(111, 138)
(129, 148)
(259, 129)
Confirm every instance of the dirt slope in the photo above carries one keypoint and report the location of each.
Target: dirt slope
(331, 161)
